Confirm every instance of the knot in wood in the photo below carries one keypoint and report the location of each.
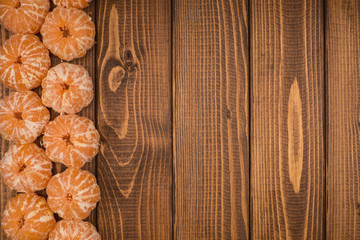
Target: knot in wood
(357, 205)
(128, 59)
(228, 114)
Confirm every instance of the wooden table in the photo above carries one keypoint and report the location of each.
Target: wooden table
(225, 119)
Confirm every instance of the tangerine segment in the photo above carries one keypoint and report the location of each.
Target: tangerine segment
(24, 62)
(22, 117)
(73, 194)
(67, 88)
(27, 216)
(74, 230)
(68, 33)
(23, 16)
(71, 140)
(25, 168)
(72, 3)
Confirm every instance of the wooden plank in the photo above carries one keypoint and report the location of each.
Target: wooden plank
(287, 119)
(211, 152)
(134, 119)
(5, 192)
(343, 111)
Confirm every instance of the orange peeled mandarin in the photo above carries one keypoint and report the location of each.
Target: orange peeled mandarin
(27, 216)
(72, 3)
(25, 168)
(24, 62)
(73, 194)
(74, 230)
(67, 88)
(23, 16)
(68, 33)
(71, 140)
(22, 117)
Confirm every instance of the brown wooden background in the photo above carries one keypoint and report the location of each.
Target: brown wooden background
(225, 119)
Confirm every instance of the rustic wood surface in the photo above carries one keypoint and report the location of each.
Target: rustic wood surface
(210, 93)
(287, 119)
(216, 118)
(343, 116)
(134, 119)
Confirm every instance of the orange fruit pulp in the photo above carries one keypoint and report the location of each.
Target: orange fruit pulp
(75, 230)
(67, 88)
(25, 168)
(22, 117)
(68, 33)
(23, 16)
(24, 62)
(72, 3)
(27, 216)
(73, 194)
(71, 140)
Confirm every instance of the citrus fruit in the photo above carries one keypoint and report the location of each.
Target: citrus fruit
(68, 33)
(73, 194)
(74, 230)
(24, 62)
(22, 117)
(71, 140)
(23, 16)
(27, 216)
(72, 3)
(25, 168)
(67, 88)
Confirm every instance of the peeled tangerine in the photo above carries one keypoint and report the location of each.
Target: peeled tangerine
(68, 33)
(72, 3)
(23, 16)
(71, 140)
(22, 117)
(24, 62)
(74, 230)
(25, 168)
(73, 194)
(67, 88)
(27, 216)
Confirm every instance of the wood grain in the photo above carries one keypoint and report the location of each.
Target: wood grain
(343, 117)
(295, 136)
(172, 102)
(134, 119)
(287, 119)
(210, 107)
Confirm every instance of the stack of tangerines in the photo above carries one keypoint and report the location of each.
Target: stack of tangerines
(68, 32)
